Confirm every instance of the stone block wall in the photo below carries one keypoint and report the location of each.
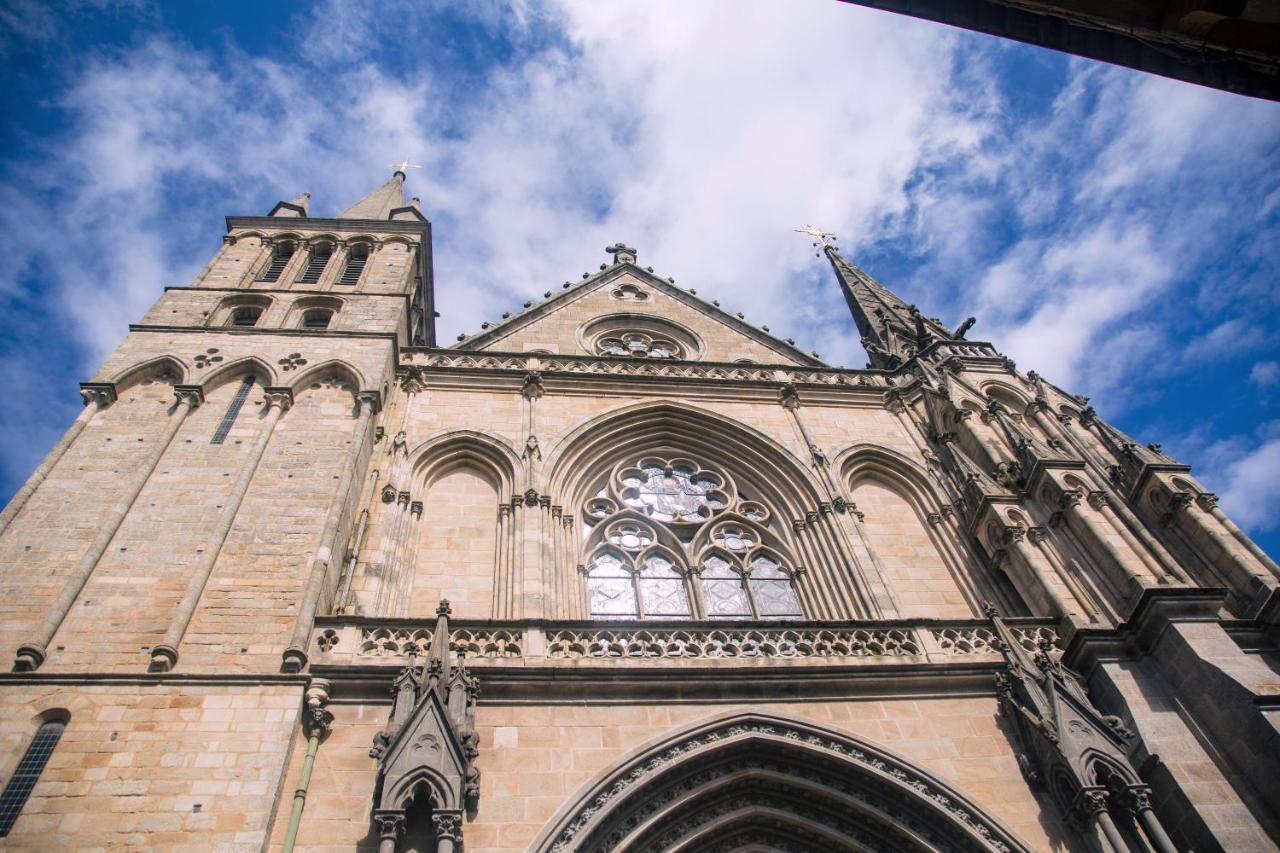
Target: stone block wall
(537, 757)
(174, 765)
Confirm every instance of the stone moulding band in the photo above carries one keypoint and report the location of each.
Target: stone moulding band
(356, 641)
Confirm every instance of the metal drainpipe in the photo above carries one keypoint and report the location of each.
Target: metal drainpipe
(316, 721)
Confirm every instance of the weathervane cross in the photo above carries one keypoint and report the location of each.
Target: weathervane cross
(404, 164)
(824, 238)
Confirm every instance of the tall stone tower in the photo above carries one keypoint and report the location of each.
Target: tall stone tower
(621, 571)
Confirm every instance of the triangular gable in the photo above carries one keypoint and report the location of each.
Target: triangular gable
(527, 329)
(425, 749)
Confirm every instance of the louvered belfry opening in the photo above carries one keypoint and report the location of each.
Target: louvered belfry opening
(279, 261)
(355, 265)
(246, 316)
(24, 778)
(229, 419)
(320, 256)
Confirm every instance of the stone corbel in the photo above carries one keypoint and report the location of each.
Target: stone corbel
(100, 394)
(192, 395)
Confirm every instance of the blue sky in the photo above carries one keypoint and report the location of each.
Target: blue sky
(1118, 232)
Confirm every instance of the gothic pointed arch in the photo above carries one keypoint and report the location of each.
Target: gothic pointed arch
(905, 518)
(165, 365)
(490, 452)
(580, 458)
(237, 369)
(345, 372)
(814, 786)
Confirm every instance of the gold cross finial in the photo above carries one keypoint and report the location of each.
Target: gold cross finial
(404, 164)
(822, 238)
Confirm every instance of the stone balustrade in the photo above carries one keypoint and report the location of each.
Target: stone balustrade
(390, 642)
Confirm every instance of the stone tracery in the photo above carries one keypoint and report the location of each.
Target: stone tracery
(654, 552)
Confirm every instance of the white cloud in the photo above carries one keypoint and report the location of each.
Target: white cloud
(1250, 489)
(1265, 374)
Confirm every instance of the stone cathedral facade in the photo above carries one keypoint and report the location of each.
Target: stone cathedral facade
(621, 571)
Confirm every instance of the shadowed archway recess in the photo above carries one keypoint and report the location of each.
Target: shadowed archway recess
(751, 781)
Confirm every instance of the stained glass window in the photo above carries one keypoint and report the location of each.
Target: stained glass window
(610, 585)
(668, 494)
(723, 590)
(662, 589)
(771, 589)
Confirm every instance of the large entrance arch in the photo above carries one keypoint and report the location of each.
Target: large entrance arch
(752, 781)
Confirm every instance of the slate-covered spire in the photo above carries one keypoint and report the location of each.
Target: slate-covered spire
(381, 202)
(892, 331)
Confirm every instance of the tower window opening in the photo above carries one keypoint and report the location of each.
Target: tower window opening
(356, 260)
(229, 419)
(315, 266)
(317, 318)
(279, 260)
(23, 780)
(246, 316)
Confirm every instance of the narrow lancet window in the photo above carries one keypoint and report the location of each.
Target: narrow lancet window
(23, 780)
(315, 266)
(229, 419)
(279, 260)
(356, 259)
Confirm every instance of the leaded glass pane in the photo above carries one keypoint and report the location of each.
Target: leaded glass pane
(662, 589)
(772, 590)
(667, 497)
(611, 588)
(723, 590)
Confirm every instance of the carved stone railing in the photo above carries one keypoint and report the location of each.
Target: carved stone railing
(358, 642)
(592, 366)
(756, 642)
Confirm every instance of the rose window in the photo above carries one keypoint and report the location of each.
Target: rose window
(638, 345)
(675, 492)
(645, 528)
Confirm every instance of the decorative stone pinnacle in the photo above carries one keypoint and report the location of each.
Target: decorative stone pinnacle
(444, 609)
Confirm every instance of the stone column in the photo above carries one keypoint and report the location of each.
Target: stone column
(1039, 537)
(1097, 530)
(32, 654)
(295, 656)
(1246, 579)
(390, 827)
(1138, 802)
(448, 829)
(1208, 502)
(1101, 501)
(164, 656)
(1014, 538)
(97, 396)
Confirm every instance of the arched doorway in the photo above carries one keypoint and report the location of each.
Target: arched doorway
(752, 781)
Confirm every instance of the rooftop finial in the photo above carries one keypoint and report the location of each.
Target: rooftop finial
(622, 253)
(403, 165)
(822, 239)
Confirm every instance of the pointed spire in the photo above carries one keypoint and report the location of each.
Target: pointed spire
(892, 331)
(297, 207)
(380, 203)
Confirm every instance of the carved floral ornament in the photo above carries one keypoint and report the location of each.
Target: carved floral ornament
(672, 538)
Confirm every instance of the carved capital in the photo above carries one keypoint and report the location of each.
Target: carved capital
(189, 395)
(1099, 499)
(100, 394)
(370, 401)
(390, 824)
(1091, 801)
(1038, 534)
(448, 826)
(935, 518)
(1207, 501)
(403, 499)
(1013, 534)
(962, 415)
(1179, 502)
(416, 509)
(388, 493)
(1070, 498)
(1137, 798)
(281, 398)
(530, 497)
